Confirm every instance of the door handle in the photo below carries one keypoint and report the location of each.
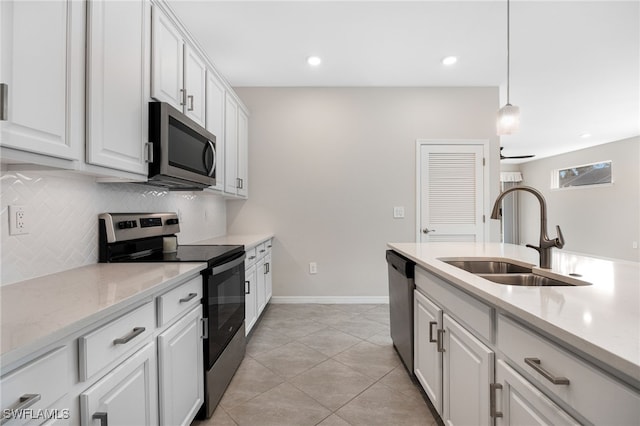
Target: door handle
(247, 289)
(183, 94)
(190, 108)
(102, 416)
(493, 387)
(4, 102)
(431, 324)
(427, 230)
(440, 340)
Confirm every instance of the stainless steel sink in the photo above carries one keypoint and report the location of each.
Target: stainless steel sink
(488, 266)
(502, 271)
(531, 280)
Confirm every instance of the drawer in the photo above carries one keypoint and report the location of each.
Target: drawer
(115, 339)
(261, 250)
(179, 300)
(475, 314)
(589, 389)
(39, 384)
(251, 257)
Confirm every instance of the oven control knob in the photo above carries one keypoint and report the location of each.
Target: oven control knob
(126, 224)
(172, 221)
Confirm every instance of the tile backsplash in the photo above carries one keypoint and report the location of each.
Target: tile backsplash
(62, 217)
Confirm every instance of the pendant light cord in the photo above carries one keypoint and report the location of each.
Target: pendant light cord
(508, 53)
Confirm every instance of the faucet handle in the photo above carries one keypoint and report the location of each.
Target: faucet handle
(559, 238)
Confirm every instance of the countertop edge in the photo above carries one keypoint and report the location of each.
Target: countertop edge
(249, 241)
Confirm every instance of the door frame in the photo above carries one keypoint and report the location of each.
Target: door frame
(485, 178)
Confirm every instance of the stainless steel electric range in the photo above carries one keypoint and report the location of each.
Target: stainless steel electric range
(151, 237)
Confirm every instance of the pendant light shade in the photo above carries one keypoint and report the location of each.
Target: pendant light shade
(508, 121)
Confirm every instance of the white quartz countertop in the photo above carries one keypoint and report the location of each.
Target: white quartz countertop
(248, 241)
(42, 310)
(601, 320)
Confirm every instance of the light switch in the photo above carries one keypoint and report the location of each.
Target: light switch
(398, 212)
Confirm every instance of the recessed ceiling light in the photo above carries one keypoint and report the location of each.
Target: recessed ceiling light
(314, 61)
(585, 135)
(449, 60)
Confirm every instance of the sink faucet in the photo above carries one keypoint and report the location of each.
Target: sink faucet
(546, 244)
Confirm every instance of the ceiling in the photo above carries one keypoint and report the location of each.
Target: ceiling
(575, 65)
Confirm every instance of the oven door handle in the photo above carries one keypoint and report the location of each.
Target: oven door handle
(228, 265)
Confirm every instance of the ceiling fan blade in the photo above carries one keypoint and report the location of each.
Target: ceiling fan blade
(514, 157)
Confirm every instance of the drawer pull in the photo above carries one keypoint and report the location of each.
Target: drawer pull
(189, 297)
(493, 387)
(102, 416)
(247, 289)
(431, 324)
(251, 257)
(440, 340)
(262, 251)
(535, 364)
(25, 401)
(126, 339)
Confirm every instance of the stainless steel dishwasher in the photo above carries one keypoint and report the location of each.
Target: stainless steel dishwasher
(401, 285)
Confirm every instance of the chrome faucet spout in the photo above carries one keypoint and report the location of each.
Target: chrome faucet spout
(546, 244)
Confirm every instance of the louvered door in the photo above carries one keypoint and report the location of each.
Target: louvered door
(451, 193)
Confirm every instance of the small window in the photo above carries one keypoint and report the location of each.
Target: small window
(581, 176)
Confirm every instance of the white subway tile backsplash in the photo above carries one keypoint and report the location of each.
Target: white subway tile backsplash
(63, 210)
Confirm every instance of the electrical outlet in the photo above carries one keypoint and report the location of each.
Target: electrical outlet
(634, 245)
(18, 223)
(313, 268)
(398, 212)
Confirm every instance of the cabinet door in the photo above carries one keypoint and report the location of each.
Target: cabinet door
(195, 73)
(127, 395)
(427, 360)
(42, 64)
(261, 273)
(523, 404)
(215, 100)
(117, 112)
(268, 280)
(250, 301)
(467, 374)
(181, 375)
(231, 145)
(167, 79)
(243, 153)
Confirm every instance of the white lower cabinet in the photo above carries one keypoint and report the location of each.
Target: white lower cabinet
(467, 367)
(251, 300)
(427, 360)
(180, 368)
(268, 278)
(536, 381)
(521, 403)
(261, 293)
(125, 396)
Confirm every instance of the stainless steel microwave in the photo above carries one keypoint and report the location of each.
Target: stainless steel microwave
(183, 153)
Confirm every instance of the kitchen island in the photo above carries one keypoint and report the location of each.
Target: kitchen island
(597, 325)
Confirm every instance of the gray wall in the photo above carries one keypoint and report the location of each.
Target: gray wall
(603, 221)
(329, 164)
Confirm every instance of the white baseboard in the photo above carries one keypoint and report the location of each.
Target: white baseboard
(331, 299)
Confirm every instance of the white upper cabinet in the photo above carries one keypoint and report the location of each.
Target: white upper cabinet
(195, 73)
(42, 66)
(236, 148)
(215, 123)
(118, 39)
(178, 72)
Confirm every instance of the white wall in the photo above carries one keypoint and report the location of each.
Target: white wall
(63, 210)
(327, 166)
(603, 221)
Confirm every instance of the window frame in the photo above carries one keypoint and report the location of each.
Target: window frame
(555, 177)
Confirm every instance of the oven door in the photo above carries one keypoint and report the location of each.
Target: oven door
(224, 306)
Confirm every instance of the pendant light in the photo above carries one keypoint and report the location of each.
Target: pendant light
(508, 120)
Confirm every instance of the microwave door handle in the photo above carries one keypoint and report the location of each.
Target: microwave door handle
(213, 151)
(204, 158)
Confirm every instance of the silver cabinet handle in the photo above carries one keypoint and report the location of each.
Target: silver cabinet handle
(189, 297)
(4, 102)
(183, 95)
(25, 401)
(190, 97)
(262, 251)
(493, 412)
(247, 290)
(431, 324)
(102, 416)
(440, 340)
(205, 328)
(535, 364)
(268, 267)
(251, 257)
(427, 230)
(126, 339)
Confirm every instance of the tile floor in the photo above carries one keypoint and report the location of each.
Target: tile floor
(326, 365)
